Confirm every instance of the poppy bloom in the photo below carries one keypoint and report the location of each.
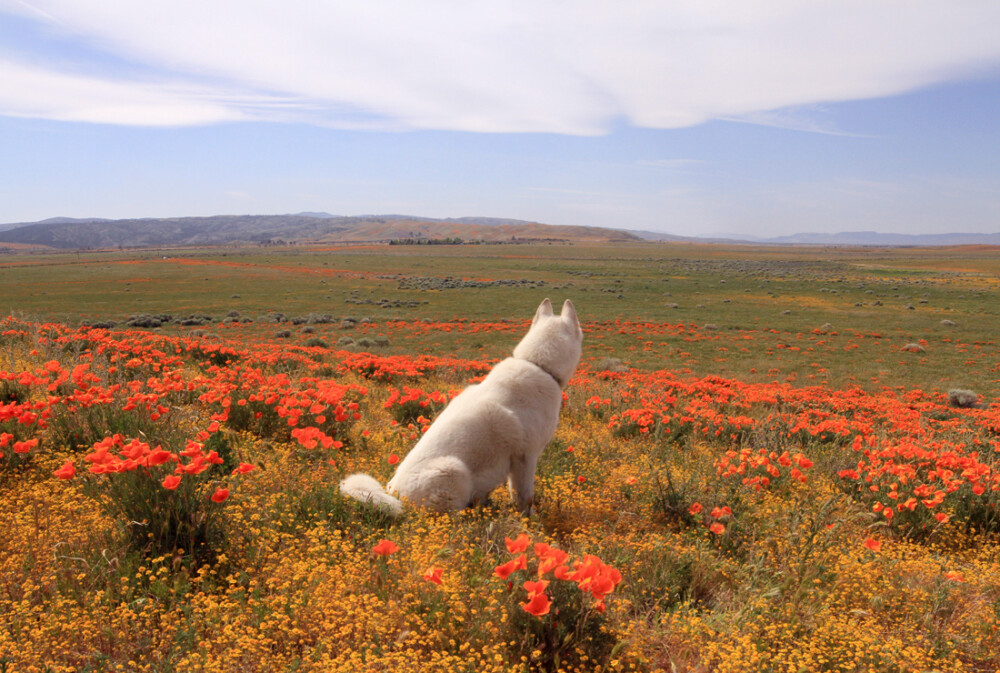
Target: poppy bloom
(220, 495)
(518, 545)
(433, 575)
(67, 471)
(503, 571)
(873, 544)
(954, 576)
(393, 459)
(534, 588)
(941, 517)
(244, 468)
(170, 482)
(158, 457)
(719, 512)
(549, 558)
(695, 509)
(385, 548)
(717, 528)
(25, 446)
(538, 605)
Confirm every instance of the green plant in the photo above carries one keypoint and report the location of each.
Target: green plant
(164, 502)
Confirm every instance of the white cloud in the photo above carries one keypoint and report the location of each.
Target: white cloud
(522, 66)
(27, 91)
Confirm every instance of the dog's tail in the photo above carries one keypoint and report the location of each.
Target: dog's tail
(366, 489)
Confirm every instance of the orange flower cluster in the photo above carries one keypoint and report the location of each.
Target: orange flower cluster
(910, 464)
(113, 455)
(394, 367)
(414, 405)
(592, 576)
(758, 468)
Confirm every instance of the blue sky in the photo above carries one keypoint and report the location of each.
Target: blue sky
(695, 118)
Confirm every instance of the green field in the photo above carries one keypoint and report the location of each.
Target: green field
(832, 316)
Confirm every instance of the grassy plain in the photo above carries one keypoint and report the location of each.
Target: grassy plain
(779, 485)
(755, 310)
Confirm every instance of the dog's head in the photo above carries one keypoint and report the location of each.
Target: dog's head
(553, 342)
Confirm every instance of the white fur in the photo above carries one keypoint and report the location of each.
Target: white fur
(493, 430)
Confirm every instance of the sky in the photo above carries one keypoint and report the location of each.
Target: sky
(690, 117)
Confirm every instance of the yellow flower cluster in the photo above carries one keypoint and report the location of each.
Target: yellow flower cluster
(301, 580)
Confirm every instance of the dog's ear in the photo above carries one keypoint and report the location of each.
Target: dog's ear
(569, 314)
(544, 311)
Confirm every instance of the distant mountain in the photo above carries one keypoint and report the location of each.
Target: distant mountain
(320, 227)
(73, 220)
(52, 220)
(486, 221)
(67, 233)
(659, 236)
(875, 238)
(860, 238)
(322, 216)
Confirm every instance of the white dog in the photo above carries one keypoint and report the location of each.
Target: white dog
(493, 430)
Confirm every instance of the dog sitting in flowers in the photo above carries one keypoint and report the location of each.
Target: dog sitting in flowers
(492, 431)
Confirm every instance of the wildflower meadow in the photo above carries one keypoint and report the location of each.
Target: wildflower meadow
(725, 491)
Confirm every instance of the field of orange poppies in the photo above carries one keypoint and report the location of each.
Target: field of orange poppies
(769, 460)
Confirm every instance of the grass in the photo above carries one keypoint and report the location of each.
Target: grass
(747, 293)
(775, 496)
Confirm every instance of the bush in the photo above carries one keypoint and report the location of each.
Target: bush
(556, 607)
(165, 501)
(613, 365)
(963, 399)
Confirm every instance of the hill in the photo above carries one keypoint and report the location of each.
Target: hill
(876, 238)
(66, 233)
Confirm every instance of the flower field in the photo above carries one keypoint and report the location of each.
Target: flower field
(170, 503)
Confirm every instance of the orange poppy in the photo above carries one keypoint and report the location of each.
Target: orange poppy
(244, 468)
(220, 495)
(503, 571)
(170, 482)
(385, 548)
(534, 588)
(538, 605)
(67, 471)
(518, 545)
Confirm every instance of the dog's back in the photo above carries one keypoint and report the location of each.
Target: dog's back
(492, 431)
